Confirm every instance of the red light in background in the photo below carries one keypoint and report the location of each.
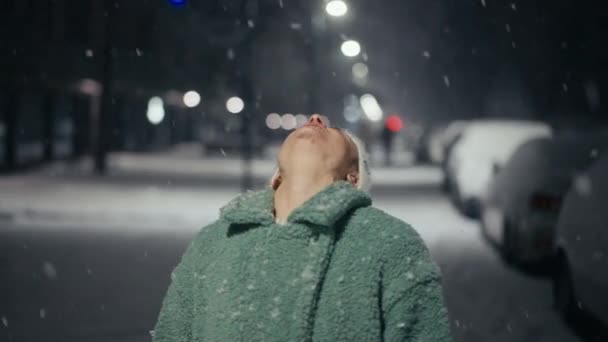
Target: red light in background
(394, 123)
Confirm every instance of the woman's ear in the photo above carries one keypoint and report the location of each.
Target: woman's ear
(353, 178)
(276, 180)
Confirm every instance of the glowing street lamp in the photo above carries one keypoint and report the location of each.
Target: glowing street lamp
(192, 99)
(235, 105)
(336, 8)
(156, 110)
(371, 107)
(351, 48)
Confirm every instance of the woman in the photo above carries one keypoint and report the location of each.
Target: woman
(308, 259)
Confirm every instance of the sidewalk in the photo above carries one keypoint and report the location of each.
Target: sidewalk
(175, 187)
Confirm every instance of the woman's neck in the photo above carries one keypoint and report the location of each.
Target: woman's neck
(295, 190)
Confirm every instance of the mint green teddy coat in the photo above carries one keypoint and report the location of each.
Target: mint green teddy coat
(338, 270)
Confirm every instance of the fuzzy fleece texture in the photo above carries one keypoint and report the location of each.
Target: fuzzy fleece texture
(338, 270)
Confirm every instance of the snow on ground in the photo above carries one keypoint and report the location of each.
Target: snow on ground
(152, 189)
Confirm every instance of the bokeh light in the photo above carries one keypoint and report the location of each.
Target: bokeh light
(192, 99)
(360, 70)
(156, 110)
(177, 3)
(370, 107)
(273, 121)
(394, 123)
(288, 122)
(301, 119)
(235, 105)
(336, 8)
(351, 48)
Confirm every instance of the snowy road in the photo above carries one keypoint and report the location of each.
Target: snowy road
(106, 284)
(487, 300)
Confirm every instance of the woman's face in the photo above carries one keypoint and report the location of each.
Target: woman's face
(317, 145)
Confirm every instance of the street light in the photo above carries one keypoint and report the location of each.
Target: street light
(273, 121)
(336, 8)
(192, 99)
(351, 48)
(360, 74)
(370, 107)
(235, 105)
(156, 110)
(288, 122)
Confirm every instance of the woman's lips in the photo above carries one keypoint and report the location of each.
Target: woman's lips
(312, 124)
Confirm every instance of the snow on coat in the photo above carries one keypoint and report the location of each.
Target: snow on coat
(338, 270)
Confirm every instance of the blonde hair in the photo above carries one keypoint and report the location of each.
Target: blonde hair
(364, 182)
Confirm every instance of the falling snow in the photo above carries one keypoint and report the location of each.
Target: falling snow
(42, 313)
(594, 153)
(295, 26)
(4, 321)
(446, 81)
(307, 273)
(514, 6)
(565, 87)
(483, 3)
(508, 27)
(426, 54)
(583, 186)
(138, 52)
(49, 270)
(88, 53)
(275, 313)
(598, 255)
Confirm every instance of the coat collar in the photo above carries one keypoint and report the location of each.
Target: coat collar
(324, 209)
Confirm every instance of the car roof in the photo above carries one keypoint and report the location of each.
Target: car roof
(572, 151)
(503, 124)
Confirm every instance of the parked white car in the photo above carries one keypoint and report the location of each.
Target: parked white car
(440, 137)
(448, 139)
(523, 201)
(581, 276)
(483, 145)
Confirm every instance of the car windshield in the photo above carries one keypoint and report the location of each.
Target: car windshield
(128, 128)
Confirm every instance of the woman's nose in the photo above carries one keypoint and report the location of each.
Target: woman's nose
(316, 119)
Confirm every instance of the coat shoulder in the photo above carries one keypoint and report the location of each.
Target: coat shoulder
(208, 236)
(391, 235)
(377, 222)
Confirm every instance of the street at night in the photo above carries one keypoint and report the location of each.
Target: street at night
(303, 170)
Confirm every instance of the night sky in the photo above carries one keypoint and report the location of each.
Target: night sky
(428, 60)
